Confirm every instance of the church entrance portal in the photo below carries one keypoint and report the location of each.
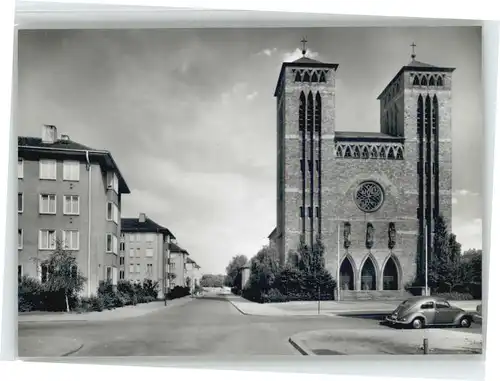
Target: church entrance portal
(368, 276)
(346, 275)
(391, 279)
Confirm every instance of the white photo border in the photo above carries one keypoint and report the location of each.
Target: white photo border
(42, 14)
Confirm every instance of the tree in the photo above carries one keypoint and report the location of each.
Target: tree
(64, 275)
(211, 280)
(264, 268)
(233, 270)
(188, 282)
(446, 269)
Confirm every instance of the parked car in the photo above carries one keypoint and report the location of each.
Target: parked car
(427, 311)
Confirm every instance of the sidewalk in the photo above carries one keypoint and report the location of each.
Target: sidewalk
(106, 315)
(327, 308)
(373, 342)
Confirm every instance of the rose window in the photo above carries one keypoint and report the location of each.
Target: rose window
(369, 196)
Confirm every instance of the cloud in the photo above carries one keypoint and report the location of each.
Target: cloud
(296, 54)
(267, 52)
(251, 96)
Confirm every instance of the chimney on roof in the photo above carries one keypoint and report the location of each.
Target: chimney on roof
(64, 137)
(49, 133)
(142, 218)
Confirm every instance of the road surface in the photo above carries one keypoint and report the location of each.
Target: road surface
(205, 326)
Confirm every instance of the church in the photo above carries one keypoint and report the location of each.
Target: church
(372, 197)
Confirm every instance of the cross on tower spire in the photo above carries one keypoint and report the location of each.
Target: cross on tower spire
(413, 46)
(303, 45)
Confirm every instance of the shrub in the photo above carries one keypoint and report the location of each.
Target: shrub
(107, 294)
(151, 289)
(29, 294)
(178, 292)
(93, 303)
(274, 296)
(454, 296)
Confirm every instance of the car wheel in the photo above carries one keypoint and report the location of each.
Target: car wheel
(465, 322)
(417, 323)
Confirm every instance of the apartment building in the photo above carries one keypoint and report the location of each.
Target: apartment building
(193, 273)
(144, 248)
(72, 193)
(177, 266)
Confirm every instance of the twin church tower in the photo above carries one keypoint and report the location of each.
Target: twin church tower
(372, 197)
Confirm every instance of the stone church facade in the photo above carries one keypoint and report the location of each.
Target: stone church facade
(372, 197)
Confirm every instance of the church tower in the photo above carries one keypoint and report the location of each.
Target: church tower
(416, 105)
(305, 100)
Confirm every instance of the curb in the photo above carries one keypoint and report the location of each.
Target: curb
(72, 352)
(237, 308)
(301, 350)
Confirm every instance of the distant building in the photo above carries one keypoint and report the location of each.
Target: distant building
(177, 266)
(143, 248)
(68, 192)
(193, 273)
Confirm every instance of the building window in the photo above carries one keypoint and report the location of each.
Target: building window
(172, 265)
(71, 205)
(71, 171)
(44, 273)
(138, 268)
(71, 239)
(122, 246)
(20, 168)
(19, 271)
(47, 239)
(48, 170)
(112, 212)
(131, 237)
(111, 243)
(131, 253)
(131, 269)
(122, 274)
(122, 261)
(109, 274)
(112, 181)
(20, 203)
(149, 269)
(19, 238)
(47, 204)
(149, 253)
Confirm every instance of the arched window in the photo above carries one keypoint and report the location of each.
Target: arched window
(374, 153)
(399, 154)
(390, 153)
(314, 77)
(440, 80)
(297, 77)
(420, 115)
(382, 153)
(423, 82)
(302, 111)
(356, 152)
(306, 77)
(431, 81)
(416, 81)
(317, 114)
(322, 77)
(310, 112)
(364, 153)
(348, 152)
(339, 151)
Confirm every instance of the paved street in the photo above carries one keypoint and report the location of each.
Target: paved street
(207, 326)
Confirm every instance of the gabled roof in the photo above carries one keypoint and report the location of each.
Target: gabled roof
(418, 66)
(31, 146)
(133, 225)
(302, 62)
(174, 248)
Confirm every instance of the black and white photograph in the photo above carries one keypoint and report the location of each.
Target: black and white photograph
(250, 192)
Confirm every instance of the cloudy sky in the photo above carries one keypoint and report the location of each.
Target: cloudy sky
(189, 116)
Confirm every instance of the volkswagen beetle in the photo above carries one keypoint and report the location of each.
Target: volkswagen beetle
(426, 311)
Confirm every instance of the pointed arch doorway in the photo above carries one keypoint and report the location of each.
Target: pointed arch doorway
(368, 275)
(391, 274)
(346, 275)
